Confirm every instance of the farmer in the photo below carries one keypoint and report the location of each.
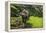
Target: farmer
(24, 15)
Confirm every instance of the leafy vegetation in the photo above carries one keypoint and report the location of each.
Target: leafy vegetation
(34, 10)
(35, 19)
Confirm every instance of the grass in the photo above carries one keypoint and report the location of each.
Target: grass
(37, 22)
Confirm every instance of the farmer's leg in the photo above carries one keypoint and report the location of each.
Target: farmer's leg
(26, 18)
(23, 19)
